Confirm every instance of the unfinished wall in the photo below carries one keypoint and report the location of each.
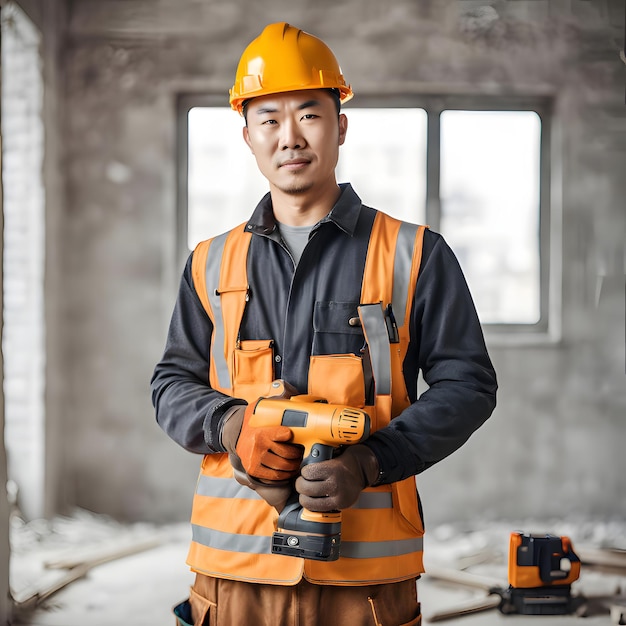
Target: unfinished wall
(32, 262)
(4, 501)
(553, 445)
(23, 259)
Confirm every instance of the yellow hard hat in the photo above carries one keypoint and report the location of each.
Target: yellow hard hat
(285, 58)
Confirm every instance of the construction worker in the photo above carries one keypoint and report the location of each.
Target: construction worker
(316, 294)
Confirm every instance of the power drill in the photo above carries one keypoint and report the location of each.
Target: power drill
(322, 429)
(541, 570)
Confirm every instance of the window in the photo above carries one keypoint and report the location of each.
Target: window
(474, 168)
(490, 208)
(224, 184)
(384, 158)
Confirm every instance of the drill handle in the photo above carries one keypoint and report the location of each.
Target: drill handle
(319, 452)
(298, 519)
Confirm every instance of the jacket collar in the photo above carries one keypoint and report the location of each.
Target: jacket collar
(344, 214)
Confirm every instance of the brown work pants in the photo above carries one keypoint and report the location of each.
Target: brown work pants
(219, 602)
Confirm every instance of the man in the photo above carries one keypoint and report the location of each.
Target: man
(317, 294)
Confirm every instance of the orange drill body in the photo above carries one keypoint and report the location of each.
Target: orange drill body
(312, 421)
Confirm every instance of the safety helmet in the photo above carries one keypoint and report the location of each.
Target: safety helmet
(284, 58)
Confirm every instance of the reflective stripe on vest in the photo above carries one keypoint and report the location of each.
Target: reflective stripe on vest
(382, 532)
(258, 544)
(213, 264)
(402, 271)
(230, 488)
(220, 280)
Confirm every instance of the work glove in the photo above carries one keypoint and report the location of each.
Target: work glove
(275, 493)
(335, 485)
(264, 452)
(273, 485)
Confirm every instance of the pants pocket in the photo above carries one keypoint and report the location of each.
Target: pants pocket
(182, 612)
(203, 611)
(414, 622)
(392, 604)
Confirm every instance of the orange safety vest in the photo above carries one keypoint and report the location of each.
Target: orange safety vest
(381, 534)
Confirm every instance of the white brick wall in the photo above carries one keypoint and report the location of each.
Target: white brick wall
(23, 340)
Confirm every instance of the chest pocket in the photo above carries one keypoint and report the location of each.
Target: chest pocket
(332, 331)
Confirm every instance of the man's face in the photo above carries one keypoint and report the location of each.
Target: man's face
(295, 138)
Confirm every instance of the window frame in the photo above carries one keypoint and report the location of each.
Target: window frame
(548, 328)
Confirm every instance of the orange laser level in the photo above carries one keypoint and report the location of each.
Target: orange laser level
(541, 570)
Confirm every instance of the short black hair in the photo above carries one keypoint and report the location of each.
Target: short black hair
(333, 92)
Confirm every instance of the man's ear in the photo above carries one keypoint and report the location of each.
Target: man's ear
(246, 138)
(343, 128)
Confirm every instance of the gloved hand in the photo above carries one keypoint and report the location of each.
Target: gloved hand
(264, 452)
(275, 493)
(335, 485)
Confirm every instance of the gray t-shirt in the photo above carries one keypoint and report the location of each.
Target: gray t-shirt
(295, 238)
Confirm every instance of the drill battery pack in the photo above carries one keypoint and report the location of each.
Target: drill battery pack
(307, 535)
(541, 570)
(315, 547)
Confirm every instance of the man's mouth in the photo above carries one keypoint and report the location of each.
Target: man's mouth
(294, 164)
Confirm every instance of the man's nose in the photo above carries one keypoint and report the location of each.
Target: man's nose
(291, 138)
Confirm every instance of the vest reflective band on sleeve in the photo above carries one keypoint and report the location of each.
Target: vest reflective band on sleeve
(213, 265)
(377, 337)
(402, 269)
(231, 542)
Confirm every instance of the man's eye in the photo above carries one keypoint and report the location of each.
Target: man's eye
(269, 122)
(309, 116)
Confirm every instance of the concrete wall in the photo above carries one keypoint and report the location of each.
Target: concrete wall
(4, 501)
(24, 253)
(38, 478)
(553, 446)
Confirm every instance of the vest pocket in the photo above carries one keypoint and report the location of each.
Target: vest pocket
(253, 368)
(338, 378)
(406, 501)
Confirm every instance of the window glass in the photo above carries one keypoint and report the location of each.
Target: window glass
(384, 157)
(490, 208)
(224, 184)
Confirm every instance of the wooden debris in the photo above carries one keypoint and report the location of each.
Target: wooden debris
(603, 557)
(75, 567)
(463, 578)
(472, 606)
(102, 554)
(35, 594)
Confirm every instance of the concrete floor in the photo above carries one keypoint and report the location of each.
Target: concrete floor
(140, 589)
